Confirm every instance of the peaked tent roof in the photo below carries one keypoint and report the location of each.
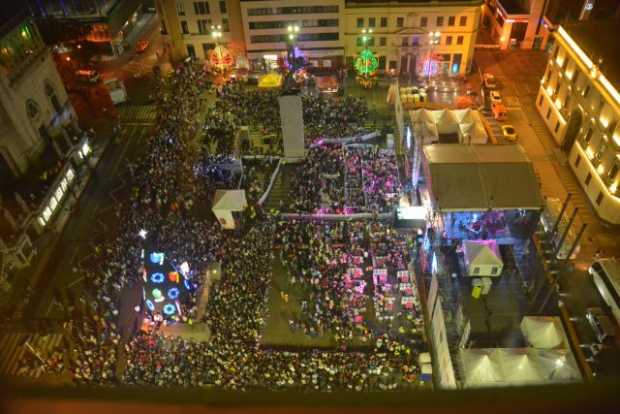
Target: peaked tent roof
(545, 332)
(479, 252)
(230, 200)
(481, 177)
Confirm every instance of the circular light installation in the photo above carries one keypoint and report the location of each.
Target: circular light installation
(150, 305)
(157, 278)
(169, 309)
(173, 293)
(366, 63)
(173, 277)
(157, 258)
(188, 284)
(157, 295)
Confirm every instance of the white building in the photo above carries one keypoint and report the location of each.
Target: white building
(320, 37)
(401, 33)
(580, 104)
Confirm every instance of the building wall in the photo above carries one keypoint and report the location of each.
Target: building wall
(501, 23)
(575, 97)
(417, 21)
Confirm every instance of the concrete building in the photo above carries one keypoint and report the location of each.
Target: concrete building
(320, 38)
(580, 104)
(186, 26)
(401, 33)
(34, 105)
(107, 22)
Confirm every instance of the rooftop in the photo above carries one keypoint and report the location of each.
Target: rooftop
(589, 35)
(513, 7)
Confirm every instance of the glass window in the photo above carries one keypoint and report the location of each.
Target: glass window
(384, 22)
(439, 21)
(360, 22)
(184, 27)
(405, 41)
(588, 179)
(577, 160)
(459, 40)
(191, 52)
(70, 174)
(382, 41)
(463, 21)
(203, 26)
(372, 21)
(423, 21)
(400, 21)
(451, 20)
(223, 7)
(448, 40)
(225, 25)
(588, 136)
(201, 7)
(599, 198)
(180, 8)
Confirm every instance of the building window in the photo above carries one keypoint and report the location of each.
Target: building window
(225, 25)
(32, 109)
(599, 198)
(360, 22)
(540, 99)
(548, 113)
(557, 127)
(612, 173)
(405, 41)
(463, 21)
(382, 62)
(400, 21)
(180, 8)
(588, 136)
(423, 21)
(359, 42)
(206, 48)
(588, 179)
(392, 64)
(184, 28)
(384, 22)
(577, 160)
(415, 41)
(439, 21)
(201, 7)
(51, 94)
(382, 41)
(223, 7)
(451, 20)
(203, 26)
(261, 11)
(459, 40)
(191, 52)
(372, 21)
(448, 40)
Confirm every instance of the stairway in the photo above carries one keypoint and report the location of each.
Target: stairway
(281, 190)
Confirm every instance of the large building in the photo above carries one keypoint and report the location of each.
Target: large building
(580, 104)
(106, 22)
(34, 105)
(405, 33)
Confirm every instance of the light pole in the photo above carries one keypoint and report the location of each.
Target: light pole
(292, 33)
(216, 33)
(366, 36)
(434, 38)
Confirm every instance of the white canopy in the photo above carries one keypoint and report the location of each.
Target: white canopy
(481, 367)
(545, 332)
(481, 258)
(466, 123)
(225, 203)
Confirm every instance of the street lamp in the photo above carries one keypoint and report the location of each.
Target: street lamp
(366, 36)
(434, 38)
(216, 32)
(293, 33)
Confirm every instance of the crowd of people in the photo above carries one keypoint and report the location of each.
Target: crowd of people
(110, 344)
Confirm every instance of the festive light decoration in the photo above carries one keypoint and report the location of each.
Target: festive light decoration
(157, 278)
(169, 309)
(366, 63)
(173, 293)
(220, 59)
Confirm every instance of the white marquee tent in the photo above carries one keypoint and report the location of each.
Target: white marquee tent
(544, 332)
(466, 123)
(225, 203)
(482, 258)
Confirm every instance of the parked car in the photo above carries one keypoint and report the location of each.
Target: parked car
(495, 96)
(489, 81)
(142, 45)
(88, 75)
(499, 111)
(600, 323)
(509, 133)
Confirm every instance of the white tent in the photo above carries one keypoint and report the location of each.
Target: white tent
(480, 367)
(482, 258)
(225, 203)
(467, 123)
(520, 367)
(557, 365)
(545, 332)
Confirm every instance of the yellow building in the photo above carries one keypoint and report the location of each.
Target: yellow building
(580, 104)
(405, 33)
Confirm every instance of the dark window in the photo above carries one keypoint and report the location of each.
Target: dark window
(372, 22)
(381, 62)
(393, 64)
(439, 21)
(588, 179)
(384, 22)
(203, 26)
(201, 7)
(405, 41)
(588, 136)
(360, 22)
(262, 11)
(599, 198)
(180, 8)
(307, 9)
(448, 40)
(225, 25)
(206, 47)
(451, 20)
(223, 7)
(359, 42)
(577, 160)
(548, 113)
(540, 100)
(184, 28)
(191, 51)
(400, 21)
(586, 91)
(423, 21)
(557, 127)
(459, 40)
(613, 172)
(463, 21)
(494, 270)
(312, 37)
(382, 41)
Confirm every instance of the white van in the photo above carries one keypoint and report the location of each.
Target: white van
(606, 277)
(117, 90)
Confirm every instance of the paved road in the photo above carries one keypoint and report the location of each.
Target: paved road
(519, 74)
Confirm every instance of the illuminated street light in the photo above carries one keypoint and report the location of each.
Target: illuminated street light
(216, 32)
(434, 38)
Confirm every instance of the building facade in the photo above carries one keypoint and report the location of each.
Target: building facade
(34, 105)
(320, 39)
(401, 31)
(580, 104)
(107, 22)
